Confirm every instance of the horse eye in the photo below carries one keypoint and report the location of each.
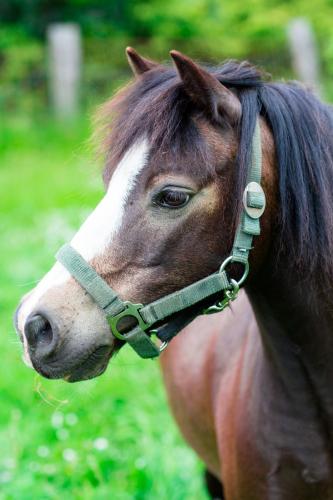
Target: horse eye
(170, 198)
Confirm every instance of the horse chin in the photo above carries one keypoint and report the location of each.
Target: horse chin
(89, 366)
(83, 372)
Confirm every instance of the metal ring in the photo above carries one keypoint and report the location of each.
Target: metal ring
(163, 346)
(246, 268)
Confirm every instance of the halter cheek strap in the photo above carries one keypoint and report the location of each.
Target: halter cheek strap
(254, 204)
(148, 316)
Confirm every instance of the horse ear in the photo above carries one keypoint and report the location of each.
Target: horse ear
(137, 63)
(206, 91)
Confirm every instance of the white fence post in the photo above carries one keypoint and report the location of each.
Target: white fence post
(65, 56)
(304, 52)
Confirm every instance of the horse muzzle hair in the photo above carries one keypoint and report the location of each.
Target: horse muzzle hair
(71, 340)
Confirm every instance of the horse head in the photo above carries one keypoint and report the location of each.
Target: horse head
(174, 149)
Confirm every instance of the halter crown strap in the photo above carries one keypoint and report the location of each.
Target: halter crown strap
(153, 314)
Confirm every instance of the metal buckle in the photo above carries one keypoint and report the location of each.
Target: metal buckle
(253, 211)
(132, 310)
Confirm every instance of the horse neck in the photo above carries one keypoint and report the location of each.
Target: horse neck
(294, 309)
(295, 321)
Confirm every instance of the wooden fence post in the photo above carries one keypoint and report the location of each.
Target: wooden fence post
(65, 57)
(304, 52)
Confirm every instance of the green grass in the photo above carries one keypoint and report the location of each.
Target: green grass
(112, 437)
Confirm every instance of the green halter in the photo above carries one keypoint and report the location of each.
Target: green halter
(150, 315)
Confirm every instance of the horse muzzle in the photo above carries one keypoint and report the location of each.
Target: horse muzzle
(62, 342)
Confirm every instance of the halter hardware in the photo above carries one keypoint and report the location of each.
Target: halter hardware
(131, 310)
(159, 311)
(254, 201)
(229, 296)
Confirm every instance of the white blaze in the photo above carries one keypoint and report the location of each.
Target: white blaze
(96, 233)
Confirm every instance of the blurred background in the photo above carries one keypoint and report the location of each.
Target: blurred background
(58, 60)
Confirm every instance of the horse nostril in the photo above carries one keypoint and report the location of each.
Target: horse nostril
(38, 331)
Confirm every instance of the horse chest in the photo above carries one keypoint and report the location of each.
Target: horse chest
(272, 447)
(261, 451)
(254, 469)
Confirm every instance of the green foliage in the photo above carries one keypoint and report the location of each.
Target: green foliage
(103, 438)
(22, 70)
(210, 30)
(92, 440)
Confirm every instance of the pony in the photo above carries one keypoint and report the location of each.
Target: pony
(250, 387)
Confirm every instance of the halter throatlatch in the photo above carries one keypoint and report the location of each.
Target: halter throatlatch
(146, 317)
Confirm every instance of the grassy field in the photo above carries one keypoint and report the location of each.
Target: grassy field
(100, 439)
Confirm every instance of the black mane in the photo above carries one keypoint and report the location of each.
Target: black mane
(302, 129)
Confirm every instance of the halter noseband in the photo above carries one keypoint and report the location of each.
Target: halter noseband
(150, 315)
